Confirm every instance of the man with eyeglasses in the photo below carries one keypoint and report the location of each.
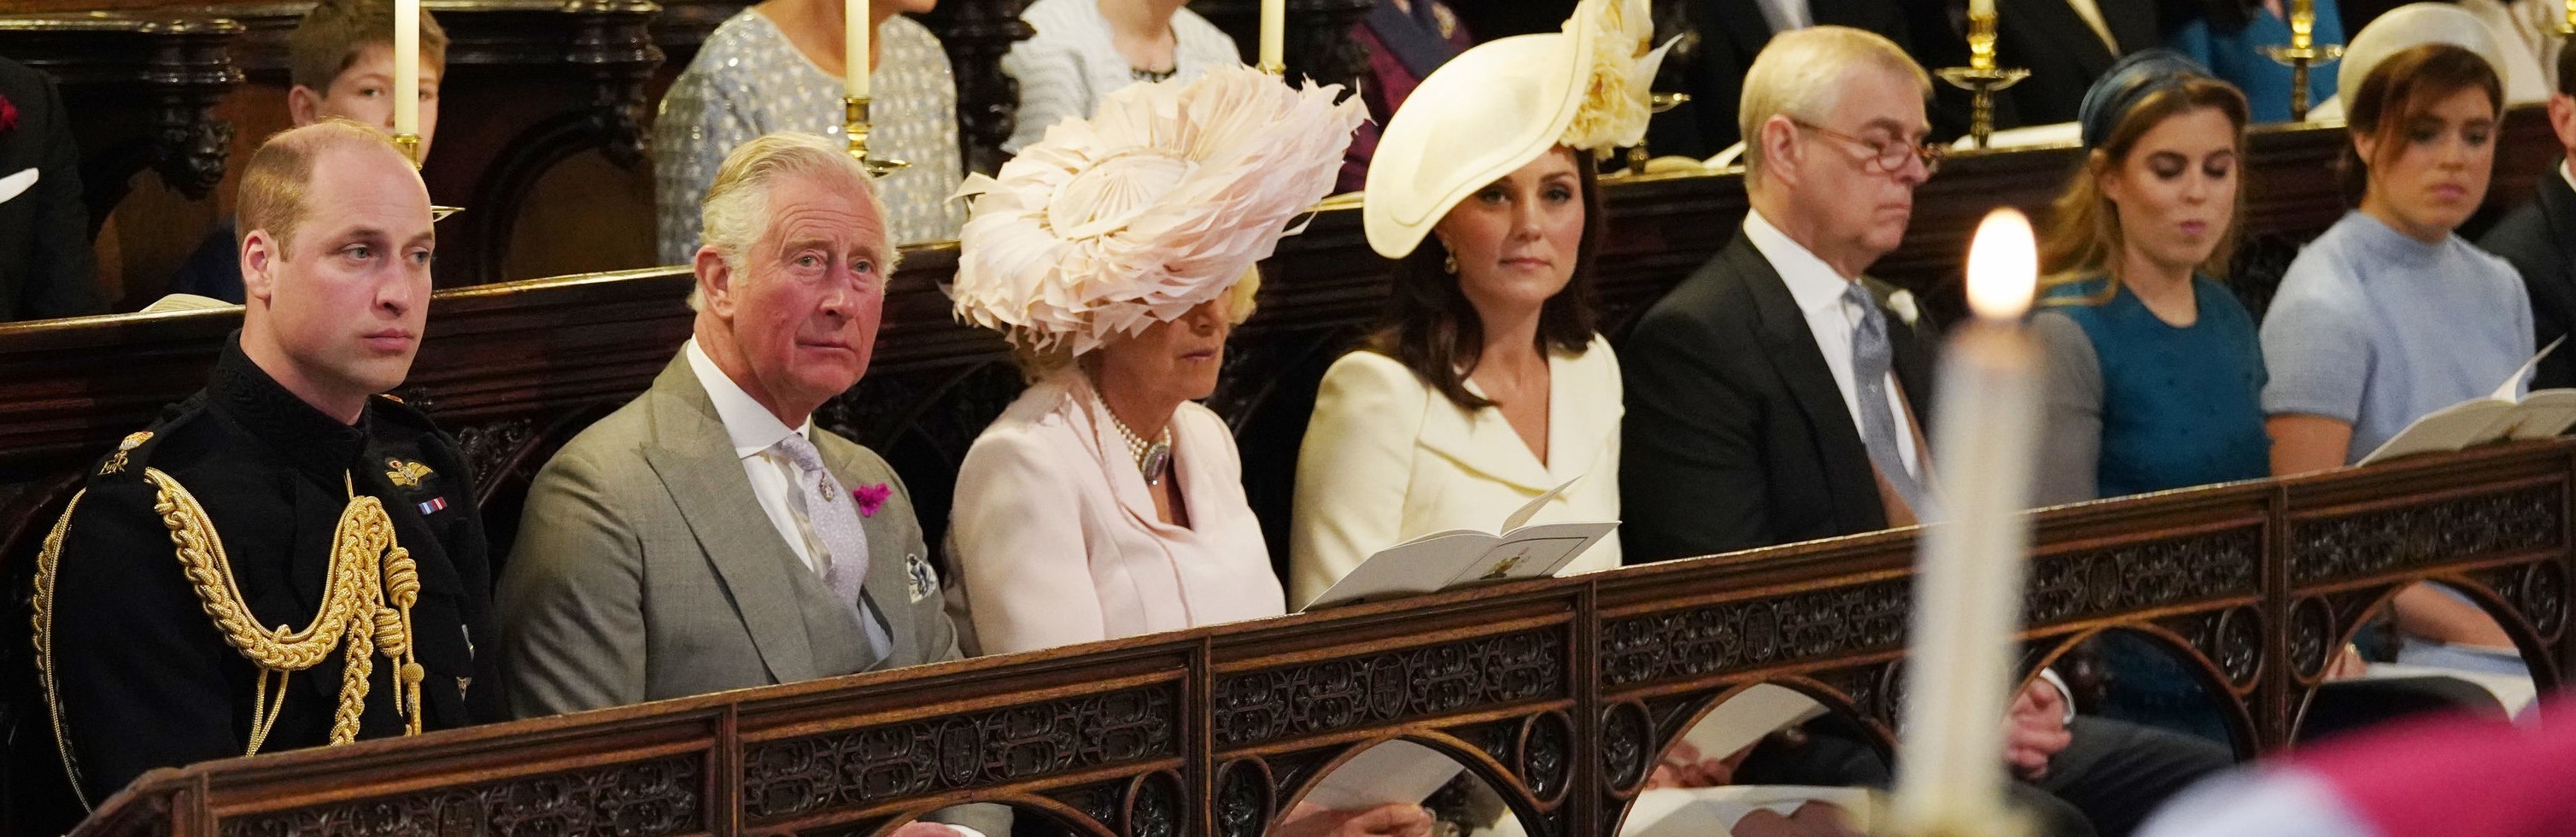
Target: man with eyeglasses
(1777, 395)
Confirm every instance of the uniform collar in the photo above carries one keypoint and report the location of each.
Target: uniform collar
(295, 430)
(751, 427)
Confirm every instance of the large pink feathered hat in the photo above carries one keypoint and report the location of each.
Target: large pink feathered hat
(1159, 202)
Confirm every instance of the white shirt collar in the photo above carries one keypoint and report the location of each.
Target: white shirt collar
(1813, 283)
(751, 427)
(2564, 172)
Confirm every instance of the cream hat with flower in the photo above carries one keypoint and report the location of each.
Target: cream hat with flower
(1499, 105)
(1159, 202)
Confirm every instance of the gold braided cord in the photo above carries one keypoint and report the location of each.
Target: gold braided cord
(353, 615)
(46, 559)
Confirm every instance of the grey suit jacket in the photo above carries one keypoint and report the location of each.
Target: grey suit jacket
(645, 569)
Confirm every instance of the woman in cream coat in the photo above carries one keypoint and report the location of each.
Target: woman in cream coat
(1487, 386)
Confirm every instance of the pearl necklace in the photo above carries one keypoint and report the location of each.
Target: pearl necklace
(1153, 460)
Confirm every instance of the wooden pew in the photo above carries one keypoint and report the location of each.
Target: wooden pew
(1560, 693)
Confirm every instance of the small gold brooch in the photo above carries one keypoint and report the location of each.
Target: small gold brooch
(407, 474)
(116, 463)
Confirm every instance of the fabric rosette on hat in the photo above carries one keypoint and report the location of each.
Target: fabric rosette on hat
(1159, 202)
(1501, 104)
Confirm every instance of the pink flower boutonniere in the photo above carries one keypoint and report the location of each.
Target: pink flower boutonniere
(871, 498)
(8, 114)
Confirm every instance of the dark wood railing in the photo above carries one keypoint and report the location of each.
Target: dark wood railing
(1559, 693)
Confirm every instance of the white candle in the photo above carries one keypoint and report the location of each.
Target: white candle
(1960, 671)
(1981, 8)
(407, 67)
(854, 51)
(1274, 33)
(2303, 23)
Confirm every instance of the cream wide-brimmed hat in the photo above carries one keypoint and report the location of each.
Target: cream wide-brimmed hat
(2409, 26)
(1159, 202)
(1501, 104)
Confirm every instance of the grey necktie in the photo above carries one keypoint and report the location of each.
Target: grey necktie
(833, 516)
(1871, 360)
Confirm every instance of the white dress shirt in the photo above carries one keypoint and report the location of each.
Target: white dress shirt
(756, 433)
(1786, 15)
(2569, 175)
(1818, 288)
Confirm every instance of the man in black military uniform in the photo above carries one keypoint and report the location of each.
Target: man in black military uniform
(200, 536)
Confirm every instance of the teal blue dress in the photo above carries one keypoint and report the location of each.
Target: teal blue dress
(2165, 407)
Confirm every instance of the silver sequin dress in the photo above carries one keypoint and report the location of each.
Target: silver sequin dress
(748, 81)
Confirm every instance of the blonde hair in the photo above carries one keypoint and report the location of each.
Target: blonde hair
(2084, 237)
(272, 195)
(1801, 74)
(1036, 363)
(736, 210)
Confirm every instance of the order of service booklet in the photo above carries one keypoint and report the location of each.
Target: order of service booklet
(1465, 557)
(2499, 417)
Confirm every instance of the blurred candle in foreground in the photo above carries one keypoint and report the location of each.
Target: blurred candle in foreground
(1960, 670)
(407, 67)
(1274, 34)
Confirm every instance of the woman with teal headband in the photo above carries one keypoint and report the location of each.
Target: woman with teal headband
(2157, 373)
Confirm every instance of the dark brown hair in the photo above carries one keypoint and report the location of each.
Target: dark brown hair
(1433, 330)
(2399, 90)
(330, 36)
(2084, 225)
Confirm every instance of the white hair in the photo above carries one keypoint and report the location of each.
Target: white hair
(1801, 74)
(737, 209)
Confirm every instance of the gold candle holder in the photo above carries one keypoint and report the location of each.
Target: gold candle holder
(1655, 103)
(409, 145)
(854, 113)
(1271, 68)
(1981, 78)
(2567, 27)
(2304, 56)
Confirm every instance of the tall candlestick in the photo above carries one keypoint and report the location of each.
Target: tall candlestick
(1968, 578)
(1274, 36)
(854, 53)
(1984, 8)
(2303, 24)
(407, 68)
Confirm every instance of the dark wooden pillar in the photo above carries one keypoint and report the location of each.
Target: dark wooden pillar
(976, 33)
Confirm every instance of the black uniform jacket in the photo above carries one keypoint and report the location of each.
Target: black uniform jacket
(146, 680)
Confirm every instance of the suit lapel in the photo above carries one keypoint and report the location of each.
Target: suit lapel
(888, 588)
(2558, 208)
(1791, 347)
(694, 458)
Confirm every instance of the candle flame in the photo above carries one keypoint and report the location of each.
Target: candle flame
(2003, 265)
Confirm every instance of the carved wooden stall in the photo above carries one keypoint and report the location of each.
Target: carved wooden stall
(1557, 692)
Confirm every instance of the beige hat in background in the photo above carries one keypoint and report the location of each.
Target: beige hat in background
(2413, 25)
(1499, 105)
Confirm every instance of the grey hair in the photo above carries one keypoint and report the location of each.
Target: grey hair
(736, 211)
(1800, 76)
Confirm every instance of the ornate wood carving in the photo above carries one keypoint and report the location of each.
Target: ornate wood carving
(1389, 686)
(2136, 576)
(797, 776)
(1321, 44)
(976, 33)
(663, 796)
(1795, 627)
(2410, 537)
(140, 88)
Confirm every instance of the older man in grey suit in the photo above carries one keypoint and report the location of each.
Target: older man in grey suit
(707, 536)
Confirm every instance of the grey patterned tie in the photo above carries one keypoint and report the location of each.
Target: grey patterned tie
(833, 516)
(1871, 359)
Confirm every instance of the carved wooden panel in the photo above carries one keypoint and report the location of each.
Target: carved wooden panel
(1390, 686)
(792, 777)
(2412, 537)
(1796, 627)
(2147, 575)
(663, 796)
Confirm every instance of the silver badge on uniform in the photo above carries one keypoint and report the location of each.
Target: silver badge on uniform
(921, 582)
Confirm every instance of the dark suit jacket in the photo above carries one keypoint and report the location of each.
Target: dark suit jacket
(1736, 435)
(2539, 238)
(44, 232)
(2046, 37)
(1731, 33)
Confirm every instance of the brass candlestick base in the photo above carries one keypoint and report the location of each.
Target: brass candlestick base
(1273, 69)
(1655, 103)
(409, 145)
(1981, 83)
(2303, 60)
(854, 112)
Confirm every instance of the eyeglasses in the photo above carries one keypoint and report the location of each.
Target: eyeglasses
(1887, 157)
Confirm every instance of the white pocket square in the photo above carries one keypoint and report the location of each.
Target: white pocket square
(11, 186)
